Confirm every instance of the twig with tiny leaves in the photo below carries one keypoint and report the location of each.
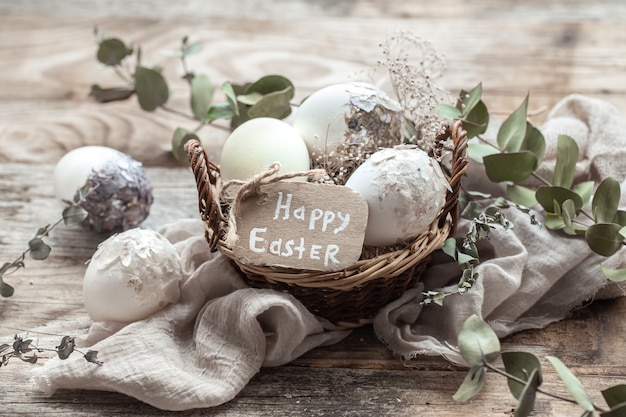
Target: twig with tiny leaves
(25, 350)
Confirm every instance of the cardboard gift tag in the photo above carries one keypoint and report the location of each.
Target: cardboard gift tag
(301, 225)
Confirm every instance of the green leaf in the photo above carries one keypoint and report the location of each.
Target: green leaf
(39, 250)
(151, 87)
(448, 112)
(468, 101)
(449, 247)
(478, 343)
(528, 395)
(554, 221)
(604, 238)
(231, 97)
(192, 48)
(472, 210)
(201, 96)
(477, 121)
(513, 167)
(521, 365)
(477, 151)
(552, 197)
(513, 130)
(617, 411)
(5, 289)
(112, 51)
(249, 99)
(521, 195)
(615, 395)
(106, 95)
(274, 105)
(219, 111)
(472, 384)
(606, 201)
(271, 84)
(566, 158)
(73, 215)
(568, 212)
(620, 217)
(181, 136)
(534, 142)
(572, 384)
(615, 275)
(65, 349)
(584, 190)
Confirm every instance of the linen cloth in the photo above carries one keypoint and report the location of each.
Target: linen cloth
(202, 351)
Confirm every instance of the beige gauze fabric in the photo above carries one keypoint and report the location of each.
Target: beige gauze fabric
(202, 351)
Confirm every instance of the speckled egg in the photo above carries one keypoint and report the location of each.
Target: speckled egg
(405, 189)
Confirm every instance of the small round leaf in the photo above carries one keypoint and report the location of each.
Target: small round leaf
(515, 167)
(151, 87)
(112, 51)
(472, 384)
(478, 343)
(552, 198)
(604, 238)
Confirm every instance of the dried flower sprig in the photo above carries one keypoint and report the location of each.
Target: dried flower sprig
(38, 249)
(25, 350)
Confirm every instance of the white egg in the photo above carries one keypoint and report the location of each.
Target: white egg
(121, 193)
(132, 275)
(257, 143)
(348, 121)
(405, 190)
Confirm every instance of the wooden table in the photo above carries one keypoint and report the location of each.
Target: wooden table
(48, 64)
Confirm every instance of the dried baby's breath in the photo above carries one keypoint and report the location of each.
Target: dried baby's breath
(413, 65)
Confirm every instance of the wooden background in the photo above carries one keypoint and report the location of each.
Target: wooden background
(47, 64)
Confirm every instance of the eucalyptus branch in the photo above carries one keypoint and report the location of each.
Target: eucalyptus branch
(72, 215)
(25, 350)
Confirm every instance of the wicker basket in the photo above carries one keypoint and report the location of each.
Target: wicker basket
(350, 297)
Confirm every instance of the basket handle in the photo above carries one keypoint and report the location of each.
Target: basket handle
(206, 174)
(459, 166)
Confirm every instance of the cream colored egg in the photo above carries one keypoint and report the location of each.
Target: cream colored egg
(405, 190)
(343, 124)
(256, 144)
(132, 275)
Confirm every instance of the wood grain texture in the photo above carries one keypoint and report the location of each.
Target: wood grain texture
(47, 65)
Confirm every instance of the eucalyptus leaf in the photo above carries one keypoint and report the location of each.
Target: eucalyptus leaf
(604, 238)
(568, 212)
(515, 167)
(551, 197)
(615, 395)
(617, 411)
(39, 250)
(615, 275)
(620, 217)
(572, 384)
(472, 210)
(478, 343)
(112, 52)
(472, 384)
(468, 101)
(554, 221)
(521, 195)
(73, 215)
(513, 130)
(151, 87)
(477, 151)
(219, 111)
(106, 95)
(249, 99)
(566, 158)
(231, 97)
(584, 190)
(521, 365)
(271, 84)
(5, 289)
(192, 48)
(201, 96)
(181, 136)
(606, 201)
(477, 121)
(528, 395)
(449, 247)
(534, 142)
(448, 112)
(275, 104)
